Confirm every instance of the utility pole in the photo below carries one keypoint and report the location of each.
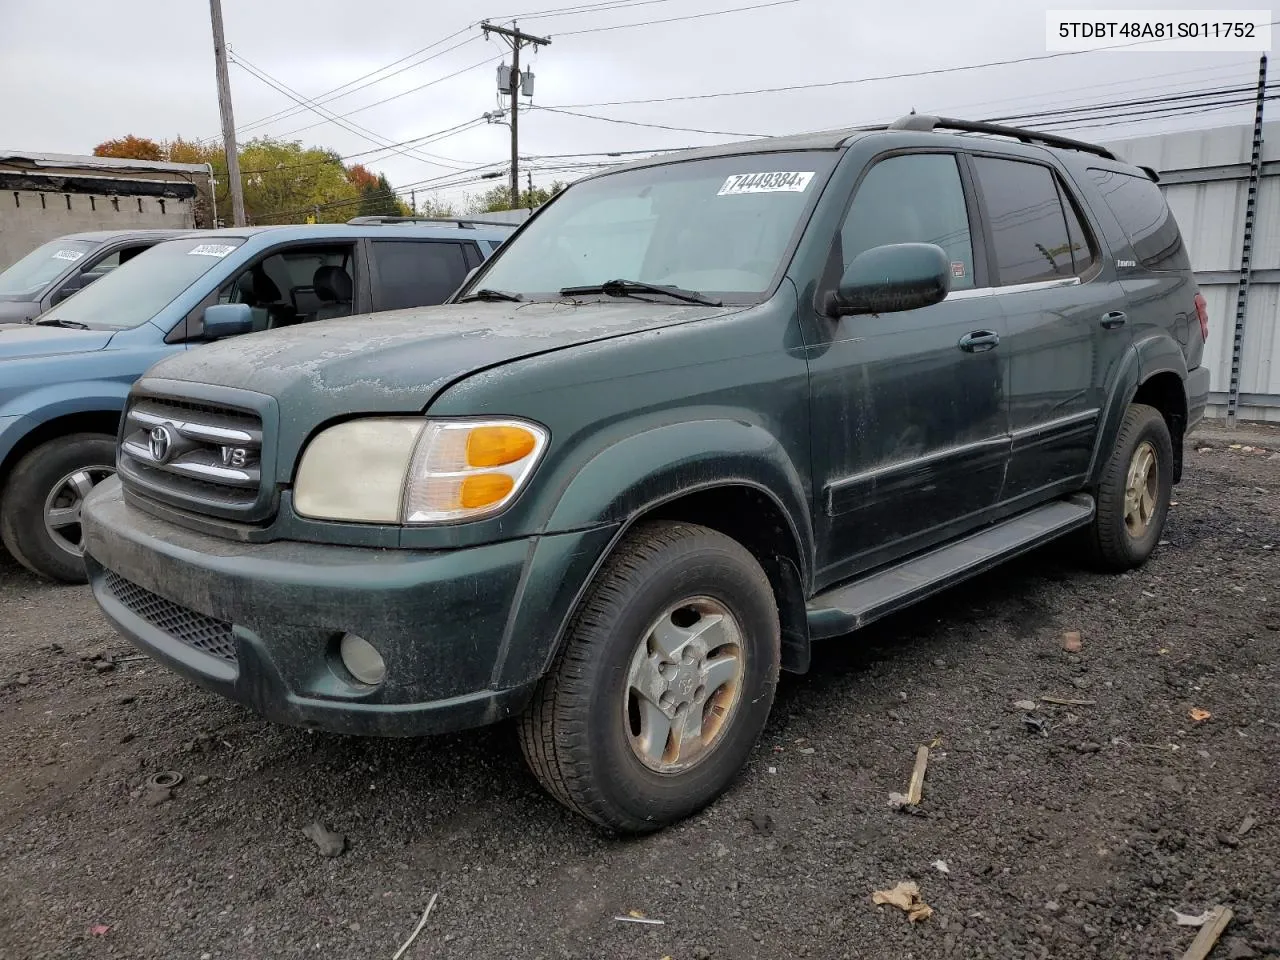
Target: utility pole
(413, 201)
(228, 121)
(1246, 247)
(516, 38)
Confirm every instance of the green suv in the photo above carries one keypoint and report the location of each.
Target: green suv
(697, 413)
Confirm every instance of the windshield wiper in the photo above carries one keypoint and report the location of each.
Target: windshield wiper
(59, 322)
(491, 296)
(628, 288)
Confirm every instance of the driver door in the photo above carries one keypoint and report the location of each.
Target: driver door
(909, 426)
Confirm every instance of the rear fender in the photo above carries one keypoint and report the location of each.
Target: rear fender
(1142, 361)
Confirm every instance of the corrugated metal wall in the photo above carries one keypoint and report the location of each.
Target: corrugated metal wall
(1204, 176)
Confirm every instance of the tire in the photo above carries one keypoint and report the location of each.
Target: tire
(577, 735)
(1118, 540)
(49, 483)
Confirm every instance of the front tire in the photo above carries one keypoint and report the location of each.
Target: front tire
(664, 683)
(40, 506)
(1133, 497)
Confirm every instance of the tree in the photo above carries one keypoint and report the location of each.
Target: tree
(130, 148)
(379, 200)
(499, 198)
(360, 176)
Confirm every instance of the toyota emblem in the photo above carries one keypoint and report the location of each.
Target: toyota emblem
(159, 442)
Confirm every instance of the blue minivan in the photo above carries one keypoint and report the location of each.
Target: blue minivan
(64, 377)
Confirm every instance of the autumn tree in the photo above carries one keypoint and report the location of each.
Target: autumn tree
(283, 181)
(130, 148)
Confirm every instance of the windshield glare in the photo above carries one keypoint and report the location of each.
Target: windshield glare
(26, 279)
(720, 226)
(136, 291)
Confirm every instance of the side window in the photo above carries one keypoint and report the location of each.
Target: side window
(295, 285)
(1084, 251)
(416, 273)
(1028, 224)
(1145, 218)
(912, 198)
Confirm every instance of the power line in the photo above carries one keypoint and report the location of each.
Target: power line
(603, 7)
(937, 71)
(351, 127)
(329, 95)
(420, 140)
(397, 96)
(692, 16)
(656, 126)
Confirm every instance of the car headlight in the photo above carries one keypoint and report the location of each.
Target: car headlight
(416, 471)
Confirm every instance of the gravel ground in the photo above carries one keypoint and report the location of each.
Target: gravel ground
(1077, 841)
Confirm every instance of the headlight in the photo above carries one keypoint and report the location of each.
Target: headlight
(416, 471)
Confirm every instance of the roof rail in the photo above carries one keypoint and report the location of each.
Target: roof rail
(922, 122)
(460, 222)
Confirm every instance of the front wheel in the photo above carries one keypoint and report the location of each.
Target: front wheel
(1133, 497)
(664, 682)
(40, 508)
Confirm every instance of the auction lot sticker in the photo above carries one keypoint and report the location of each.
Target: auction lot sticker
(786, 181)
(1159, 31)
(210, 250)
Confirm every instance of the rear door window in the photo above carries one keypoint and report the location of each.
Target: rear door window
(1145, 218)
(1028, 224)
(416, 273)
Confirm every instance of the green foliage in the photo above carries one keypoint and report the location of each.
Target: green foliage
(283, 181)
(499, 198)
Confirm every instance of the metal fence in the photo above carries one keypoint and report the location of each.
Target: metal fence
(1206, 178)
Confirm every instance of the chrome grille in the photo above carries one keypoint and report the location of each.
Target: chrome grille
(197, 631)
(198, 453)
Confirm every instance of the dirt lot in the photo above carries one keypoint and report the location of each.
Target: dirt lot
(1075, 842)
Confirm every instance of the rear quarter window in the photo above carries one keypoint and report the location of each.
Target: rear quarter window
(1140, 208)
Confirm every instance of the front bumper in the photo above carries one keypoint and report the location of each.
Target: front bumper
(260, 623)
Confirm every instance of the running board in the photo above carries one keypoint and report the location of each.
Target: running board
(848, 607)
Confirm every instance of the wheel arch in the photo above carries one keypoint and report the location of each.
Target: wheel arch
(94, 419)
(1152, 372)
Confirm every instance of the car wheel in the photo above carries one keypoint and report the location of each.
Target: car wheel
(1133, 497)
(663, 684)
(40, 507)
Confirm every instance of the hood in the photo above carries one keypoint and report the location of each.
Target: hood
(398, 361)
(24, 340)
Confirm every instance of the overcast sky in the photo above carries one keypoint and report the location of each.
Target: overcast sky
(146, 67)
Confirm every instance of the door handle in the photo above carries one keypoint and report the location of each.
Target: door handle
(979, 341)
(1114, 319)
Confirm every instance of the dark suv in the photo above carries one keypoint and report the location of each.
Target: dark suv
(698, 412)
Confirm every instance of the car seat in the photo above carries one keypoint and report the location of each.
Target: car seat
(333, 285)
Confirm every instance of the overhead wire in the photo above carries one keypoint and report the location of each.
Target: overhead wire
(692, 16)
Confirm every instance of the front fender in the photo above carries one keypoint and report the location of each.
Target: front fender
(645, 469)
(60, 399)
(612, 490)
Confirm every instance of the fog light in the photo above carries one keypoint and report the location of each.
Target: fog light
(361, 659)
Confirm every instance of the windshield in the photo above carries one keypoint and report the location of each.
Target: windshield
(134, 292)
(720, 227)
(26, 279)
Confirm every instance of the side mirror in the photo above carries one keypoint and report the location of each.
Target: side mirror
(890, 278)
(227, 320)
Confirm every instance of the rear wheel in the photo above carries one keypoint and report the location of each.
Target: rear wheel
(664, 682)
(40, 507)
(1133, 497)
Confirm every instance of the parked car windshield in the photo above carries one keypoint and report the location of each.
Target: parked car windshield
(26, 279)
(133, 293)
(719, 226)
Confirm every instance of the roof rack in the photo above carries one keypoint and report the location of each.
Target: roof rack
(460, 222)
(922, 122)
